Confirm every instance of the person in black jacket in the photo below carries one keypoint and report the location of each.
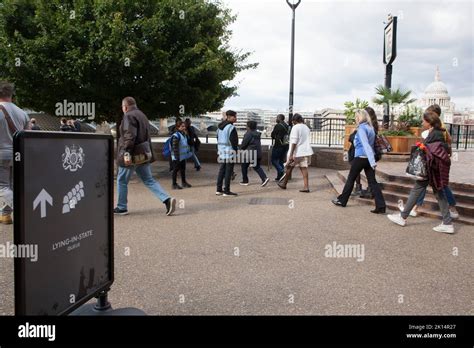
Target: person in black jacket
(65, 127)
(34, 125)
(280, 137)
(134, 130)
(194, 143)
(77, 125)
(252, 144)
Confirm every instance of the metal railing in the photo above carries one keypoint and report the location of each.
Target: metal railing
(330, 132)
(324, 132)
(462, 135)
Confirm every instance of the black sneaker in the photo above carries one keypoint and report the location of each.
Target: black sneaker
(177, 187)
(170, 206)
(233, 176)
(219, 193)
(118, 211)
(243, 183)
(186, 184)
(265, 182)
(198, 169)
(230, 194)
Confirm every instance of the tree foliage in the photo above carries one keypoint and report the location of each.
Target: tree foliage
(173, 56)
(392, 99)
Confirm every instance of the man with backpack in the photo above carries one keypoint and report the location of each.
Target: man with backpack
(12, 119)
(180, 152)
(280, 138)
(134, 154)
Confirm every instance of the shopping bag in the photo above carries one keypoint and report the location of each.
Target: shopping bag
(416, 167)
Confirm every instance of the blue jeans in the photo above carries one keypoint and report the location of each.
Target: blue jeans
(279, 159)
(195, 159)
(420, 189)
(447, 192)
(144, 173)
(6, 187)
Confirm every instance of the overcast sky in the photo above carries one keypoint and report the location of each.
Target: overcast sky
(338, 54)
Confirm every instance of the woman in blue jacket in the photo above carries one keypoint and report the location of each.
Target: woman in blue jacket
(364, 159)
(180, 152)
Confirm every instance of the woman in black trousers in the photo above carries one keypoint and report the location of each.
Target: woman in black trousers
(364, 159)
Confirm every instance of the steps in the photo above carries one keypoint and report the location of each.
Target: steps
(396, 187)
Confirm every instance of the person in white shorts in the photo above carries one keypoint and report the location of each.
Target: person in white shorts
(299, 154)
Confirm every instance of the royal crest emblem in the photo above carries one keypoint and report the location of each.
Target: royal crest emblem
(73, 158)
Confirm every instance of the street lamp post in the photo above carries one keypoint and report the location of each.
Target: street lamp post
(293, 5)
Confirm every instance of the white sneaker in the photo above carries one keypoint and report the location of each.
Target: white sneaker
(397, 218)
(454, 213)
(444, 228)
(402, 208)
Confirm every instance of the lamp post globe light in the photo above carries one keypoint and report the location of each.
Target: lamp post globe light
(293, 5)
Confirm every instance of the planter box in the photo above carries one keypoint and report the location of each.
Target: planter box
(348, 131)
(402, 144)
(416, 131)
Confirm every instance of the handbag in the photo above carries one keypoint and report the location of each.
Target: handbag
(381, 146)
(142, 153)
(416, 167)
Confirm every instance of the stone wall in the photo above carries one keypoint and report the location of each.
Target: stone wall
(322, 158)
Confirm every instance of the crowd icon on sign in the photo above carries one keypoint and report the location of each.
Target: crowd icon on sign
(73, 197)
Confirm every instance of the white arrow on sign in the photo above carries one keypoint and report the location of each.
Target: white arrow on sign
(42, 199)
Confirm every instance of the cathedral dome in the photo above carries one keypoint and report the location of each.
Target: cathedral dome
(437, 88)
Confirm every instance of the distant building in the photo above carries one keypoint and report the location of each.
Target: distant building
(437, 93)
(322, 116)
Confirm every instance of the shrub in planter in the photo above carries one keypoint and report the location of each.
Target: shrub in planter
(411, 120)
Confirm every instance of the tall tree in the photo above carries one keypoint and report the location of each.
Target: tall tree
(172, 55)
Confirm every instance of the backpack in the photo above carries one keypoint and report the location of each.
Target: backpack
(167, 148)
(286, 138)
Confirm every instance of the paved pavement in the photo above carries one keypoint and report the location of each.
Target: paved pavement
(221, 255)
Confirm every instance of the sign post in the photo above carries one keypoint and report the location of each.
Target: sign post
(389, 55)
(63, 200)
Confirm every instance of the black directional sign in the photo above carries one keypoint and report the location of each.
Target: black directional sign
(63, 198)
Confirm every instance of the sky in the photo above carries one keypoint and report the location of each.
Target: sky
(339, 47)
